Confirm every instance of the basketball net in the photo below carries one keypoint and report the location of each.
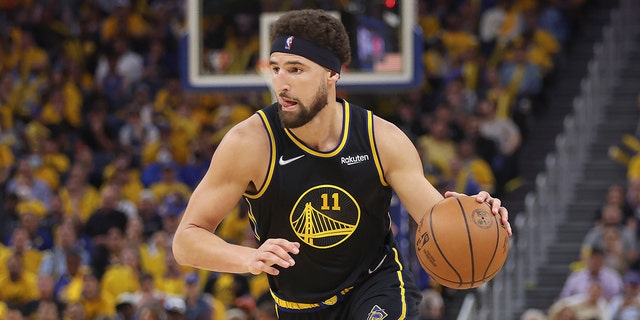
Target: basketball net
(264, 70)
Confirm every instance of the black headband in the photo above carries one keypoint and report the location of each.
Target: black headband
(307, 49)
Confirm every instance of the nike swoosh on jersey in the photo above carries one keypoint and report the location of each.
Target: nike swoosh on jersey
(378, 266)
(283, 162)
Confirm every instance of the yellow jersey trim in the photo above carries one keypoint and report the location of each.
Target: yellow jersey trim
(290, 305)
(345, 134)
(272, 160)
(252, 218)
(374, 150)
(403, 315)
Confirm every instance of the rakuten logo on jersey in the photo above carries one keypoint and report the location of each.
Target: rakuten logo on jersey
(350, 160)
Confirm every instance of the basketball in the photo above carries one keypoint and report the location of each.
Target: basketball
(460, 243)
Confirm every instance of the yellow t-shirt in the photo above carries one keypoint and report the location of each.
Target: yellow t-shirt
(5, 253)
(118, 279)
(440, 153)
(89, 203)
(241, 54)
(172, 286)
(70, 110)
(58, 161)
(633, 168)
(219, 310)
(73, 291)
(152, 261)
(104, 306)
(233, 226)
(430, 25)
(21, 291)
(135, 27)
(481, 173)
(458, 42)
(161, 189)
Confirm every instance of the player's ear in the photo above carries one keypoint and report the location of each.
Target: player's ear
(333, 76)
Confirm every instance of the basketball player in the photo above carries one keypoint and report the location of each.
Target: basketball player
(317, 173)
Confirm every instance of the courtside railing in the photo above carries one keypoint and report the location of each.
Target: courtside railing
(545, 208)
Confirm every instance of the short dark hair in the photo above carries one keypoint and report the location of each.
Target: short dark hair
(317, 26)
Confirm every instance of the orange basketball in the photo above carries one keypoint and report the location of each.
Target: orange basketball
(460, 243)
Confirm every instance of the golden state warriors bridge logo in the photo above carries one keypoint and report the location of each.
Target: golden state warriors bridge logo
(325, 216)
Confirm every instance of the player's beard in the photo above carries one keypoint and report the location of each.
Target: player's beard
(303, 113)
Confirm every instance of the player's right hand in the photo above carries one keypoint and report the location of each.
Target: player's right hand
(273, 252)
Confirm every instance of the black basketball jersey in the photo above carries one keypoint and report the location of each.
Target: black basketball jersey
(335, 204)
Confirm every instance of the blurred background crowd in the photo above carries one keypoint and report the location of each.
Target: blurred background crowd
(100, 146)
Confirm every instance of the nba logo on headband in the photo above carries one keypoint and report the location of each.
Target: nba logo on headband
(288, 43)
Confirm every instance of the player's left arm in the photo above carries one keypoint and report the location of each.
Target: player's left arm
(404, 172)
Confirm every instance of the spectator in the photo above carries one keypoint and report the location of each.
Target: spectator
(134, 233)
(551, 19)
(499, 25)
(18, 286)
(508, 138)
(171, 211)
(95, 302)
(79, 198)
(75, 311)
(455, 39)
(148, 212)
(521, 77)
(126, 306)
(9, 217)
(626, 306)
(64, 103)
(580, 281)
(122, 276)
(198, 305)
(105, 224)
(441, 148)
(47, 302)
(122, 61)
(457, 94)
(99, 136)
(135, 134)
(122, 172)
(172, 281)
(589, 305)
(472, 170)
(165, 150)
(147, 294)
(611, 225)
(201, 150)
(122, 21)
(39, 235)
(22, 246)
(47, 310)
(615, 255)
(492, 89)
(152, 312)
(68, 285)
(152, 254)
(106, 217)
(616, 194)
(169, 183)
(26, 185)
(54, 261)
(112, 83)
